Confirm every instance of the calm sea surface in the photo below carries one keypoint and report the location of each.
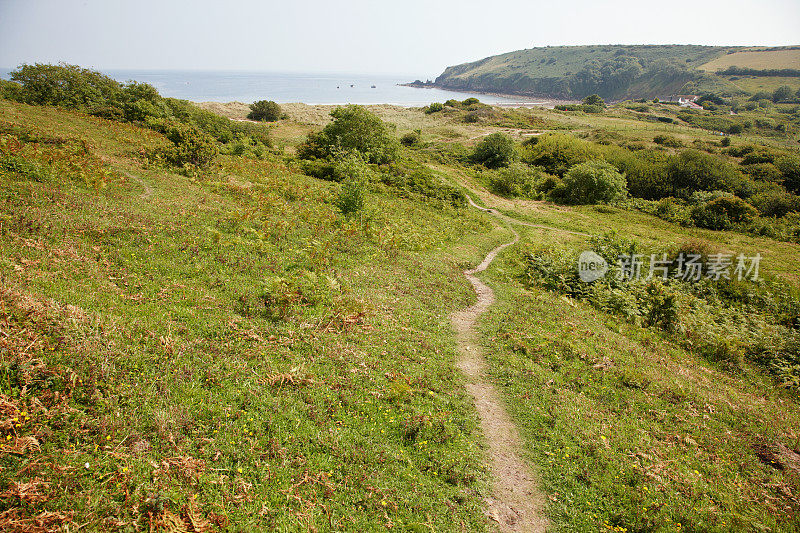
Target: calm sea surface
(217, 86)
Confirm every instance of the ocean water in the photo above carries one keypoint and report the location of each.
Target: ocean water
(219, 86)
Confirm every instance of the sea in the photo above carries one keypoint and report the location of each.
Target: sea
(221, 86)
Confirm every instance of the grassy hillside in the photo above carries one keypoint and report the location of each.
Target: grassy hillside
(613, 71)
(262, 340)
(759, 59)
(572, 72)
(224, 345)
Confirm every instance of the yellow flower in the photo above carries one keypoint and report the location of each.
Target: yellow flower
(239, 470)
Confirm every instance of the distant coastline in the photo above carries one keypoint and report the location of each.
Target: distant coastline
(516, 99)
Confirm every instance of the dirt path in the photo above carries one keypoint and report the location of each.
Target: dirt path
(516, 504)
(510, 220)
(148, 190)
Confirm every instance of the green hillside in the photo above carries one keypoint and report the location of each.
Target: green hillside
(353, 319)
(572, 72)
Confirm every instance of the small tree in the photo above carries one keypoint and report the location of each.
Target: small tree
(354, 174)
(495, 150)
(435, 107)
(594, 182)
(191, 145)
(782, 94)
(594, 99)
(265, 110)
(354, 128)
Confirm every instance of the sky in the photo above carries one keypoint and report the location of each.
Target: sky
(416, 38)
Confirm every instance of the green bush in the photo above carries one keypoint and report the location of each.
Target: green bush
(355, 175)
(692, 170)
(671, 210)
(65, 85)
(452, 103)
(265, 111)
(668, 140)
(494, 151)
(411, 138)
(723, 213)
(11, 90)
(789, 166)
(470, 101)
(318, 168)
(775, 203)
(190, 145)
(557, 152)
(435, 107)
(660, 306)
(518, 179)
(594, 100)
(412, 176)
(353, 128)
(594, 182)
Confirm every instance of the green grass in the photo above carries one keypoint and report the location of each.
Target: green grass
(756, 59)
(629, 431)
(231, 350)
(338, 410)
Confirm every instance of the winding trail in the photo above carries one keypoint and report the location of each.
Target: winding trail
(509, 220)
(517, 503)
(148, 190)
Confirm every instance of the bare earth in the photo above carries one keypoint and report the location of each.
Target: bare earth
(516, 504)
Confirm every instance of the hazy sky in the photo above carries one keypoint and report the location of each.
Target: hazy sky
(409, 37)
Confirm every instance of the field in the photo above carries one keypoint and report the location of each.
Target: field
(754, 84)
(224, 348)
(756, 59)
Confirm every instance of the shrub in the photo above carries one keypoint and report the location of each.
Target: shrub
(783, 93)
(435, 107)
(11, 90)
(556, 153)
(352, 170)
(594, 182)
(353, 128)
(452, 103)
(518, 179)
(723, 212)
(65, 85)
(594, 100)
(412, 176)
(775, 203)
(660, 306)
(763, 172)
(789, 166)
(190, 145)
(411, 138)
(668, 140)
(692, 170)
(265, 111)
(470, 101)
(670, 210)
(493, 151)
(107, 112)
(318, 168)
